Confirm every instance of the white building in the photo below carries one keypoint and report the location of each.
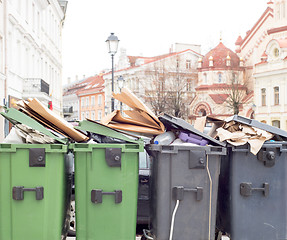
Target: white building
(30, 40)
(140, 73)
(264, 50)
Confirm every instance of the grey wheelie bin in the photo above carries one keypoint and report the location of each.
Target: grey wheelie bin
(252, 200)
(184, 182)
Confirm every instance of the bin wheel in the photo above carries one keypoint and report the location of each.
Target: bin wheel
(72, 225)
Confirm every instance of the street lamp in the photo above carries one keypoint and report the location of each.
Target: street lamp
(121, 83)
(112, 44)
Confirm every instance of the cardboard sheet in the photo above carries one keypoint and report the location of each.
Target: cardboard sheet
(140, 120)
(45, 115)
(239, 134)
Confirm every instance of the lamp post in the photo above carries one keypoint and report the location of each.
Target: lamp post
(112, 44)
(121, 83)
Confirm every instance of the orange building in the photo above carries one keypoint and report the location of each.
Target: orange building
(92, 99)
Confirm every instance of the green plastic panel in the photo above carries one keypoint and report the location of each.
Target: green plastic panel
(106, 131)
(15, 116)
(30, 218)
(107, 220)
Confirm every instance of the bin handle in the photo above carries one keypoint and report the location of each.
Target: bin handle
(18, 192)
(246, 189)
(97, 195)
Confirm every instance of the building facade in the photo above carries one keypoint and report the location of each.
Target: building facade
(264, 50)
(158, 79)
(222, 90)
(92, 99)
(30, 38)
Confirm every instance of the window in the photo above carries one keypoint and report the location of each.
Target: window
(205, 78)
(93, 114)
(87, 115)
(276, 52)
(276, 95)
(234, 77)
(82, 102)
(188, 85)
(99, 114)
(276, 123)
(82, 116)
(263, 96)
(93, 100)
(220, 77)
(188, 64)
(202, 112)
(87, 101)
(100, 100)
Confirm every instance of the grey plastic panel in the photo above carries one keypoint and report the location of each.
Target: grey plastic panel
(178, 123)
(253, 194)
(173, 178)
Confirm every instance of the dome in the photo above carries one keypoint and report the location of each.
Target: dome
(219, 54)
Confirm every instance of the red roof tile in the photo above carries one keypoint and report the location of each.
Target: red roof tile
(95, 85)
(219, 54)
(219, 98)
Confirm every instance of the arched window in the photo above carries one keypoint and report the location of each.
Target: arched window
(202, 112)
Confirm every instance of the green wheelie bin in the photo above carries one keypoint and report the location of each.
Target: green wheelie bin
(34, 189)
(106, 186)
(35, 186)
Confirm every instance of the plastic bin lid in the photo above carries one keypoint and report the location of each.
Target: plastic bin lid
(98, 128)
(14, 116)
(279, 133)
(180, 124)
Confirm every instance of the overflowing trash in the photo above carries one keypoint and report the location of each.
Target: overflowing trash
(21, 133)
(140, 119)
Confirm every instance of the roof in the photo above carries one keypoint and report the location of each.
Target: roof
(250, 33)
(75, 87)
(95, 85)
(219, 98)
(219, 55)
(147, 60)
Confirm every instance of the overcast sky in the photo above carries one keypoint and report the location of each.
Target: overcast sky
(149, 28)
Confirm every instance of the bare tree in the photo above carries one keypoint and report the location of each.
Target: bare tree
(236, 89)
(171, 87)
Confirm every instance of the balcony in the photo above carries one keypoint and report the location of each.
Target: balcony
(35, 85)
(36, 88)
(68, 111)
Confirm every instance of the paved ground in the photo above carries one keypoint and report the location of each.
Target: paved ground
(73, 238)
(138, 238)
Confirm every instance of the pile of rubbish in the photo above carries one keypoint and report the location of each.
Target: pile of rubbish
(35, 123)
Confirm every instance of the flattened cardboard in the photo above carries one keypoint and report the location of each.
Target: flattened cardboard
(51, 117)
(141, 119)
